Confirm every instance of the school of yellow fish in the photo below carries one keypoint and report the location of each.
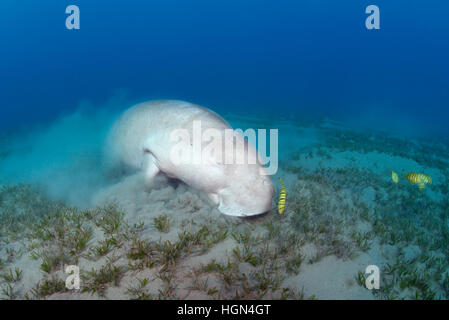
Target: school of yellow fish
(420, 179)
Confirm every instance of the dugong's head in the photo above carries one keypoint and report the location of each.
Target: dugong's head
(249, 193)
(249, 190)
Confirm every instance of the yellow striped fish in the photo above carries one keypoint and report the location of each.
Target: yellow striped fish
(282, 197)
(420, 179)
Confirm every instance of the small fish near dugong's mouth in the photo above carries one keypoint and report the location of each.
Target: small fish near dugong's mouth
(142, 138)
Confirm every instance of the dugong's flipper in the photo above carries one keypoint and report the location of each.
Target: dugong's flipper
(214, 198)
(150, 168)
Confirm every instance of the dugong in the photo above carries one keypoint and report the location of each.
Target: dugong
(142, 138)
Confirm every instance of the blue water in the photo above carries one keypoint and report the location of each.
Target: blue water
(273, 63)
(302, 58)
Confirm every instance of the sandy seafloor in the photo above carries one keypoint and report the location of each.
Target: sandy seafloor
(343, 213)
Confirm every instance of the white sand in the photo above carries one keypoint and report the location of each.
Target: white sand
(328, 278)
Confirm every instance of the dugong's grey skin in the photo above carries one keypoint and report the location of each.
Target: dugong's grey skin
(141, 139)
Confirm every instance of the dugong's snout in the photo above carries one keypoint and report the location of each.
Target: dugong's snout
(250, 199)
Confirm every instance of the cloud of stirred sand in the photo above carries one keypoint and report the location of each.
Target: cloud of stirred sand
(66, 156)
